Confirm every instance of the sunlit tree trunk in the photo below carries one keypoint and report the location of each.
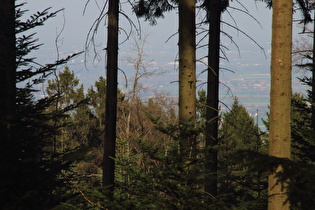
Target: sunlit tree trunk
(280, 96)
(111, 96)
(7, 68)
(187, 70)
(212, 113)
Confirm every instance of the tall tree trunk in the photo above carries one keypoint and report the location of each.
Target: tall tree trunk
(111, 96)
(7, 68)
(313, 80)
(187, 71)
(280, 96)
(211, 163)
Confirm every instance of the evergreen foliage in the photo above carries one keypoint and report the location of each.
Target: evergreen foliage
(303, 144)
(151, 10)
(54, 160)
(238, 131)
(304, 6)
(297, 177)
(70, 96)
(298, 172)
(32, 178)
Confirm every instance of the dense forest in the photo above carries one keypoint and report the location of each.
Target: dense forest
(99, 147)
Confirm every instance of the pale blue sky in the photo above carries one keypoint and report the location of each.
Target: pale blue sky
(73, 36)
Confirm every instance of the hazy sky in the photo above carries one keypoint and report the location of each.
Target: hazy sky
(77, 25)
(78, 18)
(247, 58)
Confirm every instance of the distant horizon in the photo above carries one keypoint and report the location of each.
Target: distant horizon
(246, 58)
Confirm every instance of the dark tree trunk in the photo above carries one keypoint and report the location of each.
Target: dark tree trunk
(211, 165)
(313, 81)
(111, 96)
(7, 68)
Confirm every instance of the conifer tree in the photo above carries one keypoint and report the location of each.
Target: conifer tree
(303, 145)
(97, 96)
(70, 95)
(31, 176)
(242, 187)
(64, 85)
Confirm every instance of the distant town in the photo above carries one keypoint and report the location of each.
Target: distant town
(252, 90)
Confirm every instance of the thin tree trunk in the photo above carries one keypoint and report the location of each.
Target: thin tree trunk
(7, 68)
(280, 96)
(211, 164)
(187, 71)
(111, 96)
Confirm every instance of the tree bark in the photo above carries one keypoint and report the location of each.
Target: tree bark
(280, 96)
(187, 70)
(313, 81)
(7, 68)
(111, 96)
(212, 113)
